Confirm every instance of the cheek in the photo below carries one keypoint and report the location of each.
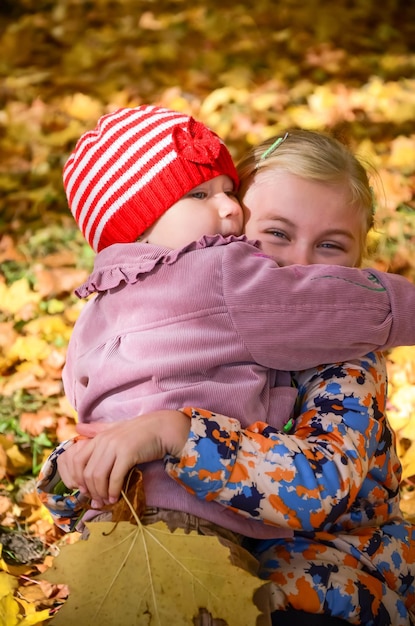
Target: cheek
(356, 256)
(344, 259)
(250, 228)
(267, 247)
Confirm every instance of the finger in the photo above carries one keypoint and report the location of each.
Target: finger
(116, 480)
(90, 430)
(71, 465)
(96, 474)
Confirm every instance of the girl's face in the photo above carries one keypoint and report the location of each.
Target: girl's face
(300, 221)
(209, 209)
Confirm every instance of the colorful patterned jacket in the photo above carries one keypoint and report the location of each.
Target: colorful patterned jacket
(334, 481)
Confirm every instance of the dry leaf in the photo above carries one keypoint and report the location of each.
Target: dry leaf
(18, 461)
(403, 153)
(7, 336)
(5, 504)
(29, 349)
(57, 281)
(132, 504)
(15, 297)
(14, 611)
(8, 250)
(148, 576)
(3, 462)
(19, 380)
(65, 429)
(36, 423)
(408, 463)
(9, 608)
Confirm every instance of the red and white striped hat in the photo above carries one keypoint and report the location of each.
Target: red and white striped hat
(138, 162)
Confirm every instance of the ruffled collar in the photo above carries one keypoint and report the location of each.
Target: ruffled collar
(125, 263)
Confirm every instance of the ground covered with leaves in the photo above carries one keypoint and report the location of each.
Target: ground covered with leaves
(249, 70)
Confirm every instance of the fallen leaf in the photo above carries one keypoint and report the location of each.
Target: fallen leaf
(8, 606)
(402, 410)
(7, 335)
(403, 153)
(19, 462)
(15, 297)
(18, 380)
(3, 463)
(132, 504)
(49, 327)
(65, 428)
(408, 504)
(9, 610)
(82, 107)
(161, 577)
(5, 504)
(36, 423)
(57, 281)
(8, 250)
(35, 617)
(29, 349)
(408, 463)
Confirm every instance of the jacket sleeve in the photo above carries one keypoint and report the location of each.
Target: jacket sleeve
(308, 479)
(66, 507)
(297, 317)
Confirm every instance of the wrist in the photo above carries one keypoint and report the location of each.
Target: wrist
(174, 431)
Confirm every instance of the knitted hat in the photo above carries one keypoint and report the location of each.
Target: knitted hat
(138, 162)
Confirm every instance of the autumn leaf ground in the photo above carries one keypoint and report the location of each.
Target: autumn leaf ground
(248, 70)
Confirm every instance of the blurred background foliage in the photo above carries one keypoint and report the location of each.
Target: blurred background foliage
(249, 70)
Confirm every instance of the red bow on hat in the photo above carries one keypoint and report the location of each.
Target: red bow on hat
(196, 143)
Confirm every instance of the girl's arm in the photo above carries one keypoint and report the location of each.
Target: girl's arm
(299, 316)
(89, 471)
(308, 479)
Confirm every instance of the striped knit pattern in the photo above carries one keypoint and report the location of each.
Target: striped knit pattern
(124, 174)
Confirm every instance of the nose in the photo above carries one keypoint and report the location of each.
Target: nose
(294, 256)
(228, 206)
(303, 258)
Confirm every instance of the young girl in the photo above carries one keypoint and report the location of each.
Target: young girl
(238, 281)
(334, 480)
(352, 555)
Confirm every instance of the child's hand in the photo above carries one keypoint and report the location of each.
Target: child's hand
(99, 461)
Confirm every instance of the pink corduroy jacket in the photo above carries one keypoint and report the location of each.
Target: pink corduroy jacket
(208, 326)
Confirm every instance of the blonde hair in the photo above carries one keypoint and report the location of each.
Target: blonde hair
(313, 156)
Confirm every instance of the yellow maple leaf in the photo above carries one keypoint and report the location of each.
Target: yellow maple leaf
(15, 612)
(82, 107)
(29, 349)
(14, 297)
(9, 611)
(161, 577)
(19, 462)
(37, 617)
(7, 584)
(49, 327)
(403, 153)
